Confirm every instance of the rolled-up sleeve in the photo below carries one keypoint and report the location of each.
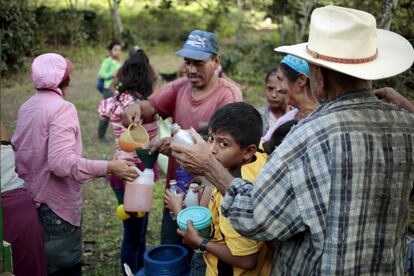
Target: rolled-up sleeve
(268, 209)
(64, 156)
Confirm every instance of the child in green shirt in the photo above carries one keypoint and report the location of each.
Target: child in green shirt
(107, 72)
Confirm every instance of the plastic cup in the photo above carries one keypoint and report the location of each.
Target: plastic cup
(201, 218)
(136, 136)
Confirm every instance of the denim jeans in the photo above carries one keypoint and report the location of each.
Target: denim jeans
(63, 243)
(134, 238)
(133, 242)
(198, 265)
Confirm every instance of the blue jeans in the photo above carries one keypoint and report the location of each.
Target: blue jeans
(133, 242)
(134, 238)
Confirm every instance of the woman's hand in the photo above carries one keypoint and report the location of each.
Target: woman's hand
(122, 169)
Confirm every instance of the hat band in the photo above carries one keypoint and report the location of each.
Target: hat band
(341, 60)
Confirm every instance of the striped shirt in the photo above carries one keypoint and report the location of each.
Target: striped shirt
(334, 196)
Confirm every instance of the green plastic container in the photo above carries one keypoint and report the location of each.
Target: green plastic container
(200, 216)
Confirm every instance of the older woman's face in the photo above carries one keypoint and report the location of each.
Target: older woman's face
(285, 87)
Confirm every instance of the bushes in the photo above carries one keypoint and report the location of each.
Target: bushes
(18, 34)
(66, 26)
(23, 31)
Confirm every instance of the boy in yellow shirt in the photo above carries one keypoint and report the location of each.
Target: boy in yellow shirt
(234, 135)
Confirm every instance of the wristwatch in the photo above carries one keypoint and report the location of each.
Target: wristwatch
(203, 245)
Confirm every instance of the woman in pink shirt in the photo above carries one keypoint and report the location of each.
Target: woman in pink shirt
(48, 149)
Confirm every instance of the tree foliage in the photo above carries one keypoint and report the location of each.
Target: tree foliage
(18, 34)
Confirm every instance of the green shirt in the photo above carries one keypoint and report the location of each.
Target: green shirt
(108, 67)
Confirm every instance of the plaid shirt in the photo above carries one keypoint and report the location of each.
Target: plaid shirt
(334, 195)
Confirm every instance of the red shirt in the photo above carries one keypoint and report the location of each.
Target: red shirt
(175, 100)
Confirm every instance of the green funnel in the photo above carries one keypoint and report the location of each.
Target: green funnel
(146, 158)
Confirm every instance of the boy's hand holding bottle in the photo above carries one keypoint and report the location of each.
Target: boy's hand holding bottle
(174, 202)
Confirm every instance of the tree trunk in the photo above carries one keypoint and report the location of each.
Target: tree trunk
(118, 28)
(386, 14)
(282, 31)
(304, 22)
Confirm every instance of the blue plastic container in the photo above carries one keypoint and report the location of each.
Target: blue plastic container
(166, 260)
(183, 178)
(141, 272)
(200, 216)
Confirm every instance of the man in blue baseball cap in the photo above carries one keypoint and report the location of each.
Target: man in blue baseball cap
(200, 45)
(190, 101)
(201, 59)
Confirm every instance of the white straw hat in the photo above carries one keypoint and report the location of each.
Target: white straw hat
(347, 40)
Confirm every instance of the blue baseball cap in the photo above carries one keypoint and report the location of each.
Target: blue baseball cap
(200, 45)
(297, 64)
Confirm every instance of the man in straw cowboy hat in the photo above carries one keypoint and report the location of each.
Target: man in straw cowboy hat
(334, 196)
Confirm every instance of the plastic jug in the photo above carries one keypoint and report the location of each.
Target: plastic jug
(138, 194)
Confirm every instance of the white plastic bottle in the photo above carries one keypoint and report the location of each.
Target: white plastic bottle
(181, 136)
(184, 137)
(191, 199)
(175, 190)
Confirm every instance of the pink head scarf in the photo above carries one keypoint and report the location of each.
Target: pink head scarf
(49, 71)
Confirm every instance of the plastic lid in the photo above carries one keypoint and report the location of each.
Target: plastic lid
(200, 216)
(193, 185)
(174, 128)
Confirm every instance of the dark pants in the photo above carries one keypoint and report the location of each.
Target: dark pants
(198, 265)
(133, 242)
(169, 230)
(104, 122)
(134, 237)
(63, 244)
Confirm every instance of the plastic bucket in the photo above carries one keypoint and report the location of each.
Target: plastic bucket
(135, 136)
(201, 218)
(166, 260)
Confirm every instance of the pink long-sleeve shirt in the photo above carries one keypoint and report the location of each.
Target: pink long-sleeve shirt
(48, 149)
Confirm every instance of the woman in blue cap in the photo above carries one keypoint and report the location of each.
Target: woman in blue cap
(292, 80)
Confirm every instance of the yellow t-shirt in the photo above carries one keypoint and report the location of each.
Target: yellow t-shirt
(223, 232)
